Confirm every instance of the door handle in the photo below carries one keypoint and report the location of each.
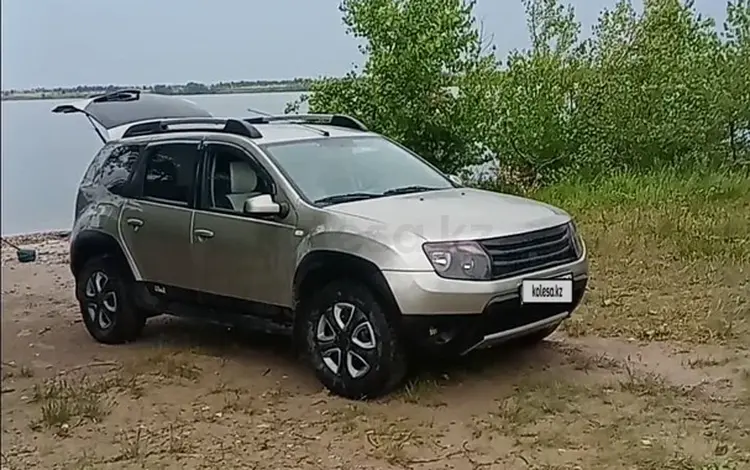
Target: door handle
(135, 223)
(203, 233)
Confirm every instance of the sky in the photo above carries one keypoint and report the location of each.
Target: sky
(47, 43)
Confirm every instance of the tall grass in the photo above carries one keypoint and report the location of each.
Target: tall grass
(669, 253)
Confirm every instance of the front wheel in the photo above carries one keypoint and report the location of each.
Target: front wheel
(351, 341)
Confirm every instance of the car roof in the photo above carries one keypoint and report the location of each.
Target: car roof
(131, 113)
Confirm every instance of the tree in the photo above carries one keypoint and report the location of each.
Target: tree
(538, 95)
(425, 79)
(735, 72)
(663, 87)
(644, 92)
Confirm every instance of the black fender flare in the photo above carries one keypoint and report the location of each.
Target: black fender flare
(92, 243)
(322, 266)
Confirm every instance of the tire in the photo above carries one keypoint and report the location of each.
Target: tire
(104, 292)
(351, 343)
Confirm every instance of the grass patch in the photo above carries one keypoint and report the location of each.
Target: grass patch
(669, 254)
(422, 390)
(166, 364)
(634, 420)
(691, 216)
(62, 402)
(173, 366)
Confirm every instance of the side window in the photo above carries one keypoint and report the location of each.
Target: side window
(233, 177)
(92, 172)
(118, 167)
(170, 173)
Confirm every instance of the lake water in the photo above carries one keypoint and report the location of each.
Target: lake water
(44, 156)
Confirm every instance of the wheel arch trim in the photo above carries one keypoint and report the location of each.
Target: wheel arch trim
(362, 268)
(89, 237)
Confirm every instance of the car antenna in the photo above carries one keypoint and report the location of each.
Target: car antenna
(322, 132)
(257, 111)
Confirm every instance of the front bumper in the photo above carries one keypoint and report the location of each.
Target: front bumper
(479, 314)
(504, 320)
(426, 293)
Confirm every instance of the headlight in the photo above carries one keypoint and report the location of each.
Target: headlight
(577, 240)
(459, 260)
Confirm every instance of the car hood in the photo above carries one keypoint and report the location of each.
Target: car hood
(454, 214)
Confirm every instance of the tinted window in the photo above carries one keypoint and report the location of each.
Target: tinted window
(322, 168)
(118, 167)
(93, 170)
(170, 173)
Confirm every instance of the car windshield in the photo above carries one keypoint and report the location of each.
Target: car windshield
(333, 170)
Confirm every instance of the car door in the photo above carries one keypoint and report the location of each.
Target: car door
(155, 224)
(237, 255)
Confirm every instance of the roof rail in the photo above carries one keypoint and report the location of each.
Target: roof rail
(336, 120)
(163, 126)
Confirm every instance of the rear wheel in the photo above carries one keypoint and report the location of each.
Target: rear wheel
(351, 342)
(104, 292)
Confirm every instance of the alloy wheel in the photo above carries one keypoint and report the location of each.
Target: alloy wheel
(101, 300)
(346, 340)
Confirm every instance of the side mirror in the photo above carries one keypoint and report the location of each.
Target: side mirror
(456, 180)
(261, 205)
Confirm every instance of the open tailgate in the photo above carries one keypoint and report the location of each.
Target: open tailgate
(124, 107)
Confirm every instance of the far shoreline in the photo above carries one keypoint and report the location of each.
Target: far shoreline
(83, 95)
(30, 238)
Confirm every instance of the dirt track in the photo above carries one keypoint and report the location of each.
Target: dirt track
(190, 396)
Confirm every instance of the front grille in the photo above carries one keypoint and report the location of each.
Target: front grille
(527, 252)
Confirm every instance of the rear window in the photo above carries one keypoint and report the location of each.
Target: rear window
(112, 167)
(118, 168)
(92, 171)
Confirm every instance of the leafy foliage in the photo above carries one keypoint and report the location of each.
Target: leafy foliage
(663, 87)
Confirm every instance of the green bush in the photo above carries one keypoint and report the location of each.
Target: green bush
(660, 88)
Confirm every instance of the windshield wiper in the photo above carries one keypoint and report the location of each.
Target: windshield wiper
(351, 197)
(410, 189)
(348, 197)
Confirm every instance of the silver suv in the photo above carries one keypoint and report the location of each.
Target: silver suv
(308, 225)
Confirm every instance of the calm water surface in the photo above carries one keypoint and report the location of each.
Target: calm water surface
(44, 156)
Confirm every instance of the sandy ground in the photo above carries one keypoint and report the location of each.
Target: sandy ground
(189, 396)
